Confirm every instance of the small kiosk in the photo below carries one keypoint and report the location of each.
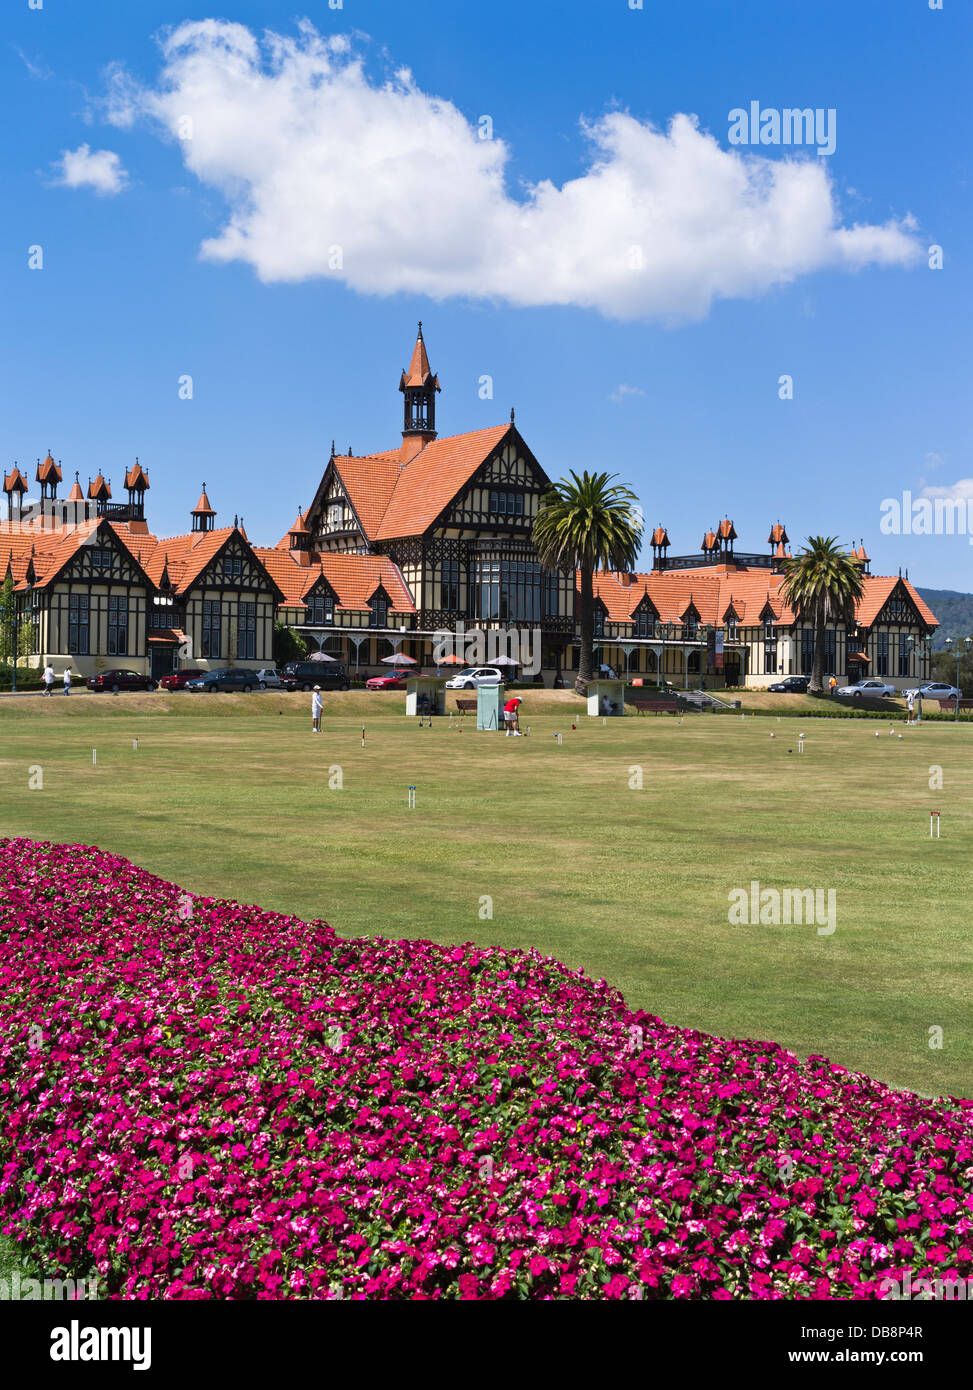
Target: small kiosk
(601, 690)
(489, 707)
(425, 695)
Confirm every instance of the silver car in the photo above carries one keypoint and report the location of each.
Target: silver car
(873, 689)
(475, 677)
(937, 690)
(268, 679)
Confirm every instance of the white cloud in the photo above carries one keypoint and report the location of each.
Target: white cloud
(623, 390)
(86, 168)
(961, 491)
(312, 155)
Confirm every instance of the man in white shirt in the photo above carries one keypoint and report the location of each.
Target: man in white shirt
(49, 679)
(317, 704)
(67, 680)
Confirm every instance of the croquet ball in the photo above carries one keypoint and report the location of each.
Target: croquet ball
(574, 726)
(790, 750)
(876, 733)
(900, 735)
(773, 735)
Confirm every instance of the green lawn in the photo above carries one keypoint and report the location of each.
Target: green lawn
(632, 885)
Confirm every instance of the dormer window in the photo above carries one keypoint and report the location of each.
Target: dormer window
(380, 610)
(599, 620)
(320, 608)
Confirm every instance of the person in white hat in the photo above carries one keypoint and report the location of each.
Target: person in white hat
(317, 704)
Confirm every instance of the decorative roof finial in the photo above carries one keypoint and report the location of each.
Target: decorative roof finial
(511, 414)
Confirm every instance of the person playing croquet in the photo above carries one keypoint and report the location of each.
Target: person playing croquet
(317, 704)
(511, 716)
(67, 680)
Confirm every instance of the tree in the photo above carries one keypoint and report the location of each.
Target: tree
(822, 583)
(16, 637)
(289, 645)
(588, 523)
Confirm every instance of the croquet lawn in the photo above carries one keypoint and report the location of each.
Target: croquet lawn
(530, 843)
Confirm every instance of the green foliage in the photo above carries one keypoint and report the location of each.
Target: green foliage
(289, 645)
(823, 583)
(955, 614)
(588, 523)
(13, 633)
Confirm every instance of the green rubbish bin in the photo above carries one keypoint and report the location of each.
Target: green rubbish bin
(489, 707)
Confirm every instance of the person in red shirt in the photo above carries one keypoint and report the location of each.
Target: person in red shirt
(511, 717)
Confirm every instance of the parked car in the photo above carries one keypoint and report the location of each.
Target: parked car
(395, 681)
(268, 678)
(178, 680)
(872, 689)
(305, 675)
(476, 676)
(120, 680)
(936, 690)
(792, 685)
(234, 678)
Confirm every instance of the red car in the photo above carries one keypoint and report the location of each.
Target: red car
(120, 680)
(396, 681)
(176, 680)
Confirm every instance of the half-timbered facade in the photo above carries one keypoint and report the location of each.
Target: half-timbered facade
(718, 618)
(101, 593)
(452, 516)
(396, 548)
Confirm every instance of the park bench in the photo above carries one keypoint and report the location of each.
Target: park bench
(465, 706)
(657, 706)
(951, 704)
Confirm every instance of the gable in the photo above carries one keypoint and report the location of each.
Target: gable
(234, 566)
(100, 558)
(505, 490)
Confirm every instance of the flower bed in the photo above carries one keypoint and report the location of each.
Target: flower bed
(201, 1100)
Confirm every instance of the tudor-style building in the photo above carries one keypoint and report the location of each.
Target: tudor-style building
(400, 545)
(718, 617)
(102, 591)
(449, 519)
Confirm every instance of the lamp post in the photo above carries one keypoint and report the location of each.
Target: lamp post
(949, 647)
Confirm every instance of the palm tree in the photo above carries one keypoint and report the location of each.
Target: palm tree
(588, 523)
(823, 583)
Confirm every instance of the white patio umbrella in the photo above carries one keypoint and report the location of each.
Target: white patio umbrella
(399, 660)
(321, 656)
(504, 660)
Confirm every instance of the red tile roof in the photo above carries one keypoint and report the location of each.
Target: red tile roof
(48, 470)
(354, 578)
(137, 477)
(419, 373)
(713, 589)
(15, 481)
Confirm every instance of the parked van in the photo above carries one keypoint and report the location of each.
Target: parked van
(305, 675)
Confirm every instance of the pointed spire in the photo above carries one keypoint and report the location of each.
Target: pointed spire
(511, 414)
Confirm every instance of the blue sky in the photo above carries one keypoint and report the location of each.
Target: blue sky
(208, 256)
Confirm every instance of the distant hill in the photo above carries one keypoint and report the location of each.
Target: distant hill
(954, 611)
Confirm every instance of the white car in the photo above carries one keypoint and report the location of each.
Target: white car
(936, 690)
(268, 679)
(475, 677)
(873, 689)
